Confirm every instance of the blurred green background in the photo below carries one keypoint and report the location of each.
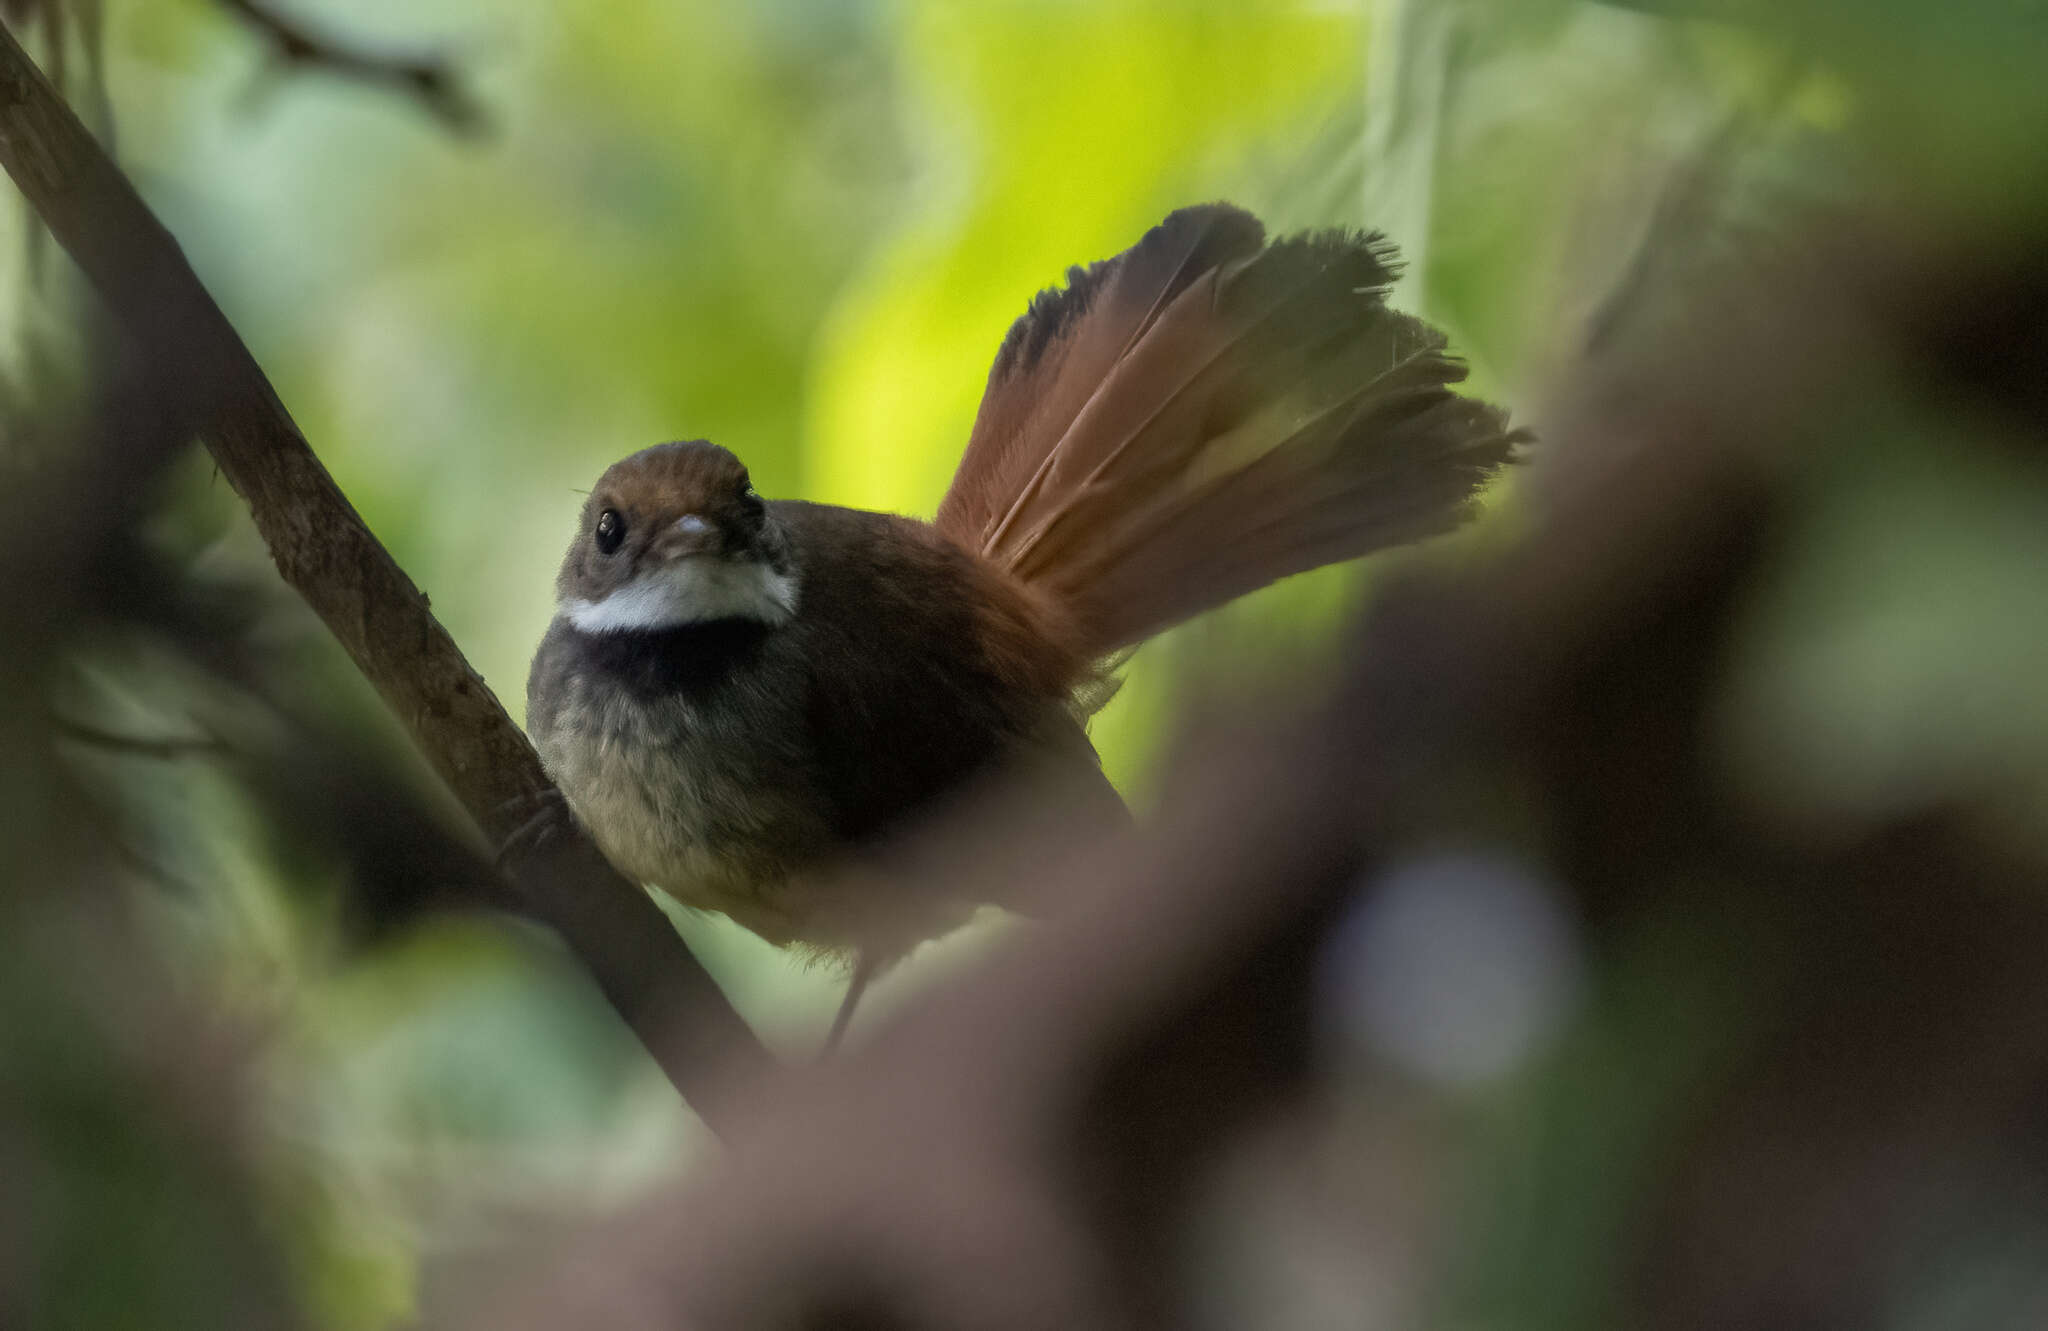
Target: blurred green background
(800, 228)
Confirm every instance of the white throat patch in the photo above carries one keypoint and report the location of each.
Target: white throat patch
(693, 590)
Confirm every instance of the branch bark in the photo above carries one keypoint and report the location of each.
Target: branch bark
(327, 554)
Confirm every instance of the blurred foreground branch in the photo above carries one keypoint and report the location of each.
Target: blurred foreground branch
(325, 552)
(1862, 1067)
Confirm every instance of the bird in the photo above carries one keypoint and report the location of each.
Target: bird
(736, 694)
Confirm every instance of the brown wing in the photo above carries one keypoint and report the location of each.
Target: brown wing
(926, 670)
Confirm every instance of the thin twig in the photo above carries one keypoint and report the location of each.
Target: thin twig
(166, 748)
(433, 79)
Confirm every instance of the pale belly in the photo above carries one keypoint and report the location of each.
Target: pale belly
(718, 820)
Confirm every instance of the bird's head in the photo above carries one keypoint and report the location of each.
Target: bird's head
(671, 536)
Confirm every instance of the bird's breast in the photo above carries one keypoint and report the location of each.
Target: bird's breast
(697, 792)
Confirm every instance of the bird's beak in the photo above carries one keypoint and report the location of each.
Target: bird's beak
(688, 535)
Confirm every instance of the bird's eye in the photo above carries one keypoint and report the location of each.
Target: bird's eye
(611, 529)
(755, 506)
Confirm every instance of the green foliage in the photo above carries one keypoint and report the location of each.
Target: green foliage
(801, 229)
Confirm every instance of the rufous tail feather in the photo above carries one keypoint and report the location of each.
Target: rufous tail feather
(1205, 414)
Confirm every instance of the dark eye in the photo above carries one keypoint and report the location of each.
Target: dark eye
(753, 504)
(611, 529)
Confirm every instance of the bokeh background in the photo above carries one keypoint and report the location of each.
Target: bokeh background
(800, 228)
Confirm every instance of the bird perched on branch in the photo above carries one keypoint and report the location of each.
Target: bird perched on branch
(736, 693)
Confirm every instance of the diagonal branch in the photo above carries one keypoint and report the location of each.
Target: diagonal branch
(325, 552)
(432, 80)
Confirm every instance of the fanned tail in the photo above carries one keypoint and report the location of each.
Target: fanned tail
(1205, 414)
